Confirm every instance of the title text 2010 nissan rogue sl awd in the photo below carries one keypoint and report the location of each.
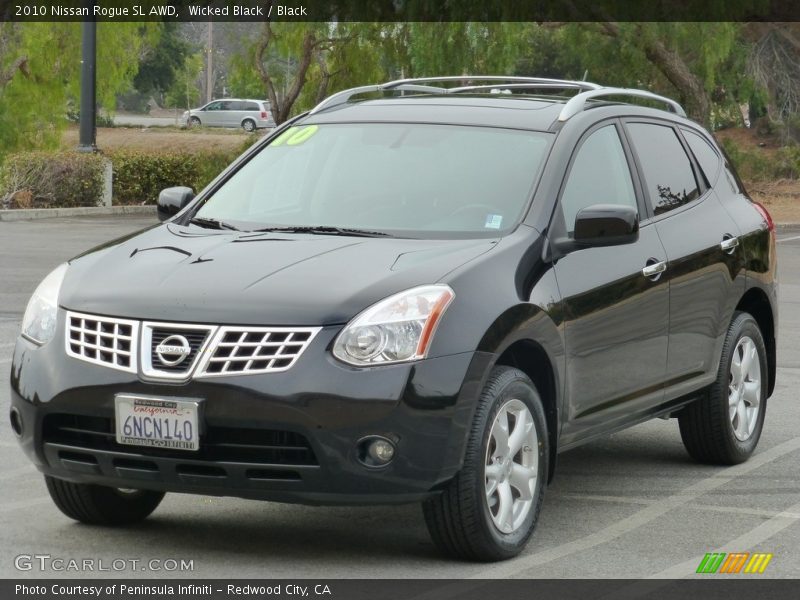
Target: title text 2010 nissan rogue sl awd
(424, 295)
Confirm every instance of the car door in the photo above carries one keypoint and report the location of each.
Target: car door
(703, 251)
(229, 115)
(615, 302)
(212, 115)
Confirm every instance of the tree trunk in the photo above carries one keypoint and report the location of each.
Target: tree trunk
(691, 91)
(282, 108)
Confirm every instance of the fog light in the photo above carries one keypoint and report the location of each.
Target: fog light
(381, 450)
(375, 451)
(16, 422)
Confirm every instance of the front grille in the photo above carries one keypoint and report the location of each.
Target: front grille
(207, 350)
(222, 444)
(102, 340)
(196, 337)
(238, 351)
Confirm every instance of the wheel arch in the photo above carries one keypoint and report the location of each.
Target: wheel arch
(530, 357)
(528, 338)
(756, 303)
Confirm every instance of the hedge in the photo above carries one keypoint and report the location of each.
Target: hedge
(140, 176)
(64, 179)
(51, 179)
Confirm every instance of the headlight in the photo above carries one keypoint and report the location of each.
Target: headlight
(39, 322)
(397, 329)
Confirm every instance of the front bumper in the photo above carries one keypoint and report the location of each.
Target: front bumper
(254, 427)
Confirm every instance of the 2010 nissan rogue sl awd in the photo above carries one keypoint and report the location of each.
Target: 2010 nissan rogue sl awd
(418, 291)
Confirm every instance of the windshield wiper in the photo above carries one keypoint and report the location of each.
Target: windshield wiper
(212, 223)
(324, 230)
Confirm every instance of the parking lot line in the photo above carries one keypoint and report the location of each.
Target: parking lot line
(789, 239)
(757, 512)
(645, 515)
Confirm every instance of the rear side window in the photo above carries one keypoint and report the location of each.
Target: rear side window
(252, 106)
(667, 170)
(599, 175)
(704, 153)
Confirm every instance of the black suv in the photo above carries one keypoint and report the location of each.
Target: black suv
(417, 291)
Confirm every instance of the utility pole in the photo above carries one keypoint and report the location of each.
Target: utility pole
(210, 63)
(88, 132)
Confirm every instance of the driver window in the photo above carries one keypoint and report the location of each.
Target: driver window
(214, 106)
(599, 175)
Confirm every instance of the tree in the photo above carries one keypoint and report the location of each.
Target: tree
(773, 61)
(306, 44)
(40, 73)
(687, 60)
(461, 48)
(185, 91)
(160, 64)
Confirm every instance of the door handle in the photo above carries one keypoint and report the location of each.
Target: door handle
(729, 244)
(654, 269)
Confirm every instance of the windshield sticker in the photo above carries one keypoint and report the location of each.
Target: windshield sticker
(283, 137)
(302, 135)
(493, 221)
(294, 136)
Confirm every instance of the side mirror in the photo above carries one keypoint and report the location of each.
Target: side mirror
(606, 225)
(173, 200)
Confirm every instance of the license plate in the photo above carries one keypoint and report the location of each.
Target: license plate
(157, 422)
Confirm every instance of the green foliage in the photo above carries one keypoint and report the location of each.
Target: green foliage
(184, 91)
(160, 66)
(243, 81)
(140, 176)
(33, 92)
(51, 179)
(462, 48)
(34, 97)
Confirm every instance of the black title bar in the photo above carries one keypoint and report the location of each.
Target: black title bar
(403, 10)
(405, 589)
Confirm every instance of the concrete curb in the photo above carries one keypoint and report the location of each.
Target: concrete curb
(27, 214)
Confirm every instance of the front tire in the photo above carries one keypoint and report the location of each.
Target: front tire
(101, 505)
(724, 426)
(489, 510)
(194, 122)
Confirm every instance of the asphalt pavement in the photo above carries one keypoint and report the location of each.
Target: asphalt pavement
(632, 505)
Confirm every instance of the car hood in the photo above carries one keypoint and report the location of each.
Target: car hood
(176, 273)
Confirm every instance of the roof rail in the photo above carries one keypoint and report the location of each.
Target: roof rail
(572, 107)
(565, 85)
(419, 85)
(344, 96)
(577, 103)
(499, 80)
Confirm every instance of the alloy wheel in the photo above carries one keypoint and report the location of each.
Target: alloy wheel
(512, 466)
(744, 388)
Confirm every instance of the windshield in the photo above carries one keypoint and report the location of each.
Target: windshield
(414, 180)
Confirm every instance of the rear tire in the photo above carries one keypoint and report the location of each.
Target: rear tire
(472, 518)
(101, 505)
(249, 125)
(725, 425)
